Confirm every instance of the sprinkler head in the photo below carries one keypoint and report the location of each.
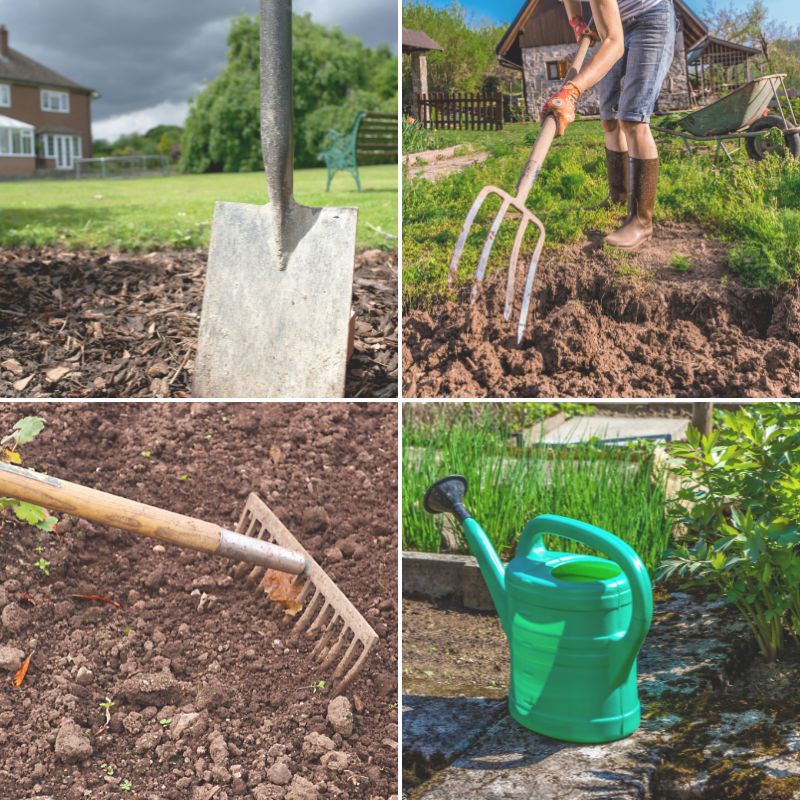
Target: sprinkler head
(446, 496)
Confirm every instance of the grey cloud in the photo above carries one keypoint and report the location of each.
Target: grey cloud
(146, 52)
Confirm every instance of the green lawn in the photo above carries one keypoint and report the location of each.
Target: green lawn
(176, 211)
(755, 206)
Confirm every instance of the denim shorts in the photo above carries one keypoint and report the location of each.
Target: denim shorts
(630, 89)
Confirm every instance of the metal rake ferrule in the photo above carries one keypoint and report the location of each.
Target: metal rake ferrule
(344, 635)
(517, 203)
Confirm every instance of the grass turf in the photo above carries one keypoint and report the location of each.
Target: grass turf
(176, 210)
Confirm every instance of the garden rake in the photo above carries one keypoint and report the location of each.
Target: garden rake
(518, 202)
(261, 544)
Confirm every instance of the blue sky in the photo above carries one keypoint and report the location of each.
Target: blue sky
(506, 10)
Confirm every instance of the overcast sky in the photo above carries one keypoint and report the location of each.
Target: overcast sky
(147, 57)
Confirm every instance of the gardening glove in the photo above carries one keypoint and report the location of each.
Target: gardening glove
(581, 28)
(562, 106)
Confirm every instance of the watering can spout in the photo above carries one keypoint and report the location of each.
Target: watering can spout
(446, 496)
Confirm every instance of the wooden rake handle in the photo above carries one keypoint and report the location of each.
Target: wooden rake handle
(144, 520)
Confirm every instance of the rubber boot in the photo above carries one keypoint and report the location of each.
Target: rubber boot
(642, 185)
(617, 168)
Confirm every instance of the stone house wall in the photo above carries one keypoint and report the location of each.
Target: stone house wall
(674, 93)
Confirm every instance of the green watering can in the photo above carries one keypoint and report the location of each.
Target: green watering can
(574, 623)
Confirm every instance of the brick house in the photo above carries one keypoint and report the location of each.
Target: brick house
(541, 44)
(45, 118)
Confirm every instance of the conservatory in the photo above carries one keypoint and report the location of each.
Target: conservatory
(17, 148)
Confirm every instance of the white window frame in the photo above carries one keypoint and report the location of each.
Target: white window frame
(50, 150)
(16, 143)
(56, 102)
(5, 95)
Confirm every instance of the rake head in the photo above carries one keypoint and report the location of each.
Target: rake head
(508, 202)
(344, 636)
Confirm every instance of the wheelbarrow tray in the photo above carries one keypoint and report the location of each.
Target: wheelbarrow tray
(734, 112)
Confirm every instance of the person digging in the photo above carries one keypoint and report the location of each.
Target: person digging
(637, 42)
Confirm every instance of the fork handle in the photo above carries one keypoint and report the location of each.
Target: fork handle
(144, 520)
(548, 132)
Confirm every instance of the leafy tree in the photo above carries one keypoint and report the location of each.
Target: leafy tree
(334, 76)
(468, 57)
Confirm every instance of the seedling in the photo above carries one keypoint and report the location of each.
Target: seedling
(126, 785)
(184, 478)
(319, 686)
(108, 769)
(165, 723)
(43, 565)
(38, 549)
(681, 264)
(146, 454)
(107, 705)
(127, 630)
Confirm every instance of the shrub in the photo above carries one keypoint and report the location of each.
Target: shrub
(740, 507)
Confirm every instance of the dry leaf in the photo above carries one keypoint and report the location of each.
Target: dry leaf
(22, 385)
(12, 457)
(100, 598)
(55, 374)
(281, 588)
(13, 366)
(22, 672)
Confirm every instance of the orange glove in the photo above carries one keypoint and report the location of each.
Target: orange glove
(581, 28)
(562, 106)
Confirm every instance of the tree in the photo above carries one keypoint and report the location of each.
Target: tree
(334, 76)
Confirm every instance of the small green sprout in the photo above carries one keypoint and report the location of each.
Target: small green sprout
(126, 785)
(317, 687)
(108, 769)
(165, 722)
(38, 549)
(681, 264)
(184, 478)
(146, 454)
(107, 704)
(127, 630)
(43, 565)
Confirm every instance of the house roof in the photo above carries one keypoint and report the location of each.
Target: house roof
(8, 122)
(556, 30)
(21, 69)
(414, 41)
(716, 45)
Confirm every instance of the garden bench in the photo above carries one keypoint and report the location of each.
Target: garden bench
(371, 140)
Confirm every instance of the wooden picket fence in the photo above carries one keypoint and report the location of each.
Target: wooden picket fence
(461, 112)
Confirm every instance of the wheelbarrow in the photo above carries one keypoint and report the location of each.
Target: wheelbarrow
(744, 114)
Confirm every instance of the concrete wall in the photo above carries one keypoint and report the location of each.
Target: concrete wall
(17, 167)
(26, 106)
(674, 92)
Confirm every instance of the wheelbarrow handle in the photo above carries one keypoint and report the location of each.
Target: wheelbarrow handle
(548, 132)
(144, 520)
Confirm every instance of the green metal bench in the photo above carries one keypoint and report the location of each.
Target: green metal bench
(371, 140)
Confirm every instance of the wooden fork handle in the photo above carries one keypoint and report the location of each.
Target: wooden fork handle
(139, 518)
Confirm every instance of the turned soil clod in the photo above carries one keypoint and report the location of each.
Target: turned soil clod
(262, 543)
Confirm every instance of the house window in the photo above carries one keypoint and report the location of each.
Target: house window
(556, 70)
(5, 95)
(16, 142)
(63, 149)
(55, 101)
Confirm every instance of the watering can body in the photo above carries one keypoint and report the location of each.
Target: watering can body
(575, 623)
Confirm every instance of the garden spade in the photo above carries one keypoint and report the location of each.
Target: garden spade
(265, 549)
(518, 202)
(276, 309)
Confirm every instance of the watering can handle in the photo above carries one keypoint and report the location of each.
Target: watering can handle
(531, 544)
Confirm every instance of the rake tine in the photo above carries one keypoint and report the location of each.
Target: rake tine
(487, 249)
(327, 636)
(347, 657)
(465, 228)
(512, 267)
(526, 297)
(334, 651)
(354, 670)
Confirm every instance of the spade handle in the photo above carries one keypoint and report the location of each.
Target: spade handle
(129, 515)
(276, 100)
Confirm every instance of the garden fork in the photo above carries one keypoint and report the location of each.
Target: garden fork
(517, 201)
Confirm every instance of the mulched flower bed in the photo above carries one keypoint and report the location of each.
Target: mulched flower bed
(209, 693)
(89, 324)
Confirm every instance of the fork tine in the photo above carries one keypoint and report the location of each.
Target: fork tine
(465, 228)
(487, 248)
(526, 297)
(512, 267)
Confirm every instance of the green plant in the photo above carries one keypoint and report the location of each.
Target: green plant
(108, 769)
(319, 686)
(25, 431)
(739, 507)
(43, 565)
(165, 723)
(416, 138)
(126, 785)
(617, 488)
(681, 264)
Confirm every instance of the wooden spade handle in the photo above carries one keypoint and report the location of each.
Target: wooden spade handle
(139, 518)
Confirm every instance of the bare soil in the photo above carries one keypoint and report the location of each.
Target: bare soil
(435, 164)
(236, 699)
(89, 324)
(606, 325)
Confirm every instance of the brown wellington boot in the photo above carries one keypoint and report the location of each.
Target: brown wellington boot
(638, 227)
(617, 168)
